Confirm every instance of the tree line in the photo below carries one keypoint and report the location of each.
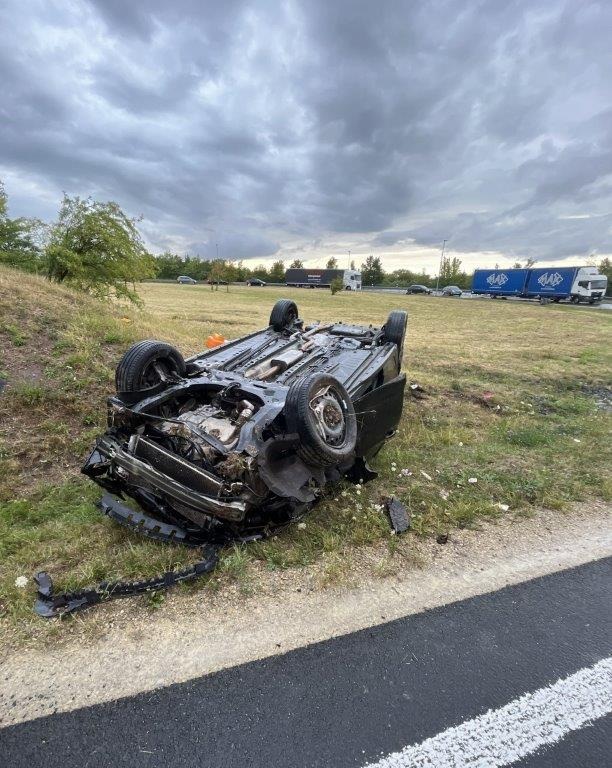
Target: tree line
(170, 266)
(97, 248)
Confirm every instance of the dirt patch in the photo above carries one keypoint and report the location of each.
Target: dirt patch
(602, 397)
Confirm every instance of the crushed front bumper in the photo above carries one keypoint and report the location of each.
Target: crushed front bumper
(161, 472)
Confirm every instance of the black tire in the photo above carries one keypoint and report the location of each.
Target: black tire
(283, 314)
(139, 369)
(395, 331)
(330, 438)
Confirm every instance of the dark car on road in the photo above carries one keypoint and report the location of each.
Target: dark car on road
(451, 290)
(418, 289)
(256, 282)
(248, 434)
(186, 280)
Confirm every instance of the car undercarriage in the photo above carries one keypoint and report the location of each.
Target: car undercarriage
(244, 437)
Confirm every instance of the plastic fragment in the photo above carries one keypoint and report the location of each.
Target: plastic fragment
(398, 514)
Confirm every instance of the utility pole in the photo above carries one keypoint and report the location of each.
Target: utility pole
(441, 263)
(349, 261)
(217, 249)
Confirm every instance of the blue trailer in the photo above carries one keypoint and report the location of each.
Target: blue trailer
(555, 283)
(500, 282)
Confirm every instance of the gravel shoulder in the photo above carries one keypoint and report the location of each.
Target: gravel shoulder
(203, 633)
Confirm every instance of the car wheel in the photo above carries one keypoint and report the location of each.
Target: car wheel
(319, 409)
(147, 364)
(395, 331)
(284, 313)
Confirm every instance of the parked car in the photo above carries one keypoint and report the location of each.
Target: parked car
(186, 280)
(451, 290)
(418, 289)
(256, 282)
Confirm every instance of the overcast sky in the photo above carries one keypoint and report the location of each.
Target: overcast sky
(304, 129)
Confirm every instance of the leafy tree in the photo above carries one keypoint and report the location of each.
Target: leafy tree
(262, 273)
(605, 268)
(277, 272)
(97, 248)
(296, 264)
(372, 272)
(221, 271)
(168, 266)
(18, 247)
(402, 277)
(332, 263)
(451, 272)
(240, 272)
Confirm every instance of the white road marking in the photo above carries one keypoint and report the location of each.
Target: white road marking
(501, 736)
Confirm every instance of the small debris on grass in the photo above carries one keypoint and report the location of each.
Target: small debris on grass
(472, 480)
(21, 582)
(406, 473)
(576, 440)
(503, 507)
(444, 494)
(417, 391)
(425, 475)
(442, 538)
(301, 526)
(398, 514)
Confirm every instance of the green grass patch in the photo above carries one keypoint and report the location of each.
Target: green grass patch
(16, 335)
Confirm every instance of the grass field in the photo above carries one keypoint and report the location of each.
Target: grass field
(511, 418)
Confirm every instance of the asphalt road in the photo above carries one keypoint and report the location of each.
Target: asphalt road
(353, 700)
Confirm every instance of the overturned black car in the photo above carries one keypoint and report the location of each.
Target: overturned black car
(248, 433)
(242, 438)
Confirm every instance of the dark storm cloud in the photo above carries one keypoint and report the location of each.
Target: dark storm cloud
(265, 125)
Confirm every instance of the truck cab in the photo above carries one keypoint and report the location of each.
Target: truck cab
(351, 280)
(588, 286)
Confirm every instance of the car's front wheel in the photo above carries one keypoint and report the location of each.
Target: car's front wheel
(148, 364)
(319, 409)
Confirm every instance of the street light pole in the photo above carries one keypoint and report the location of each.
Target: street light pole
(349, 264)
(441, 263)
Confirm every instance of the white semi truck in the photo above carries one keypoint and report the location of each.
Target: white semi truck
(322, 278)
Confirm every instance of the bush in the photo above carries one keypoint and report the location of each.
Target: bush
(336, 285)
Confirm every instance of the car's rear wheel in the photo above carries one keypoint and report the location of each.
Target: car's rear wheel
(395, 331)
(147, 364)
(319, 409)
(284, 314)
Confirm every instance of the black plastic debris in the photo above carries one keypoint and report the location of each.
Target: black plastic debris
(442, 538)
(50, 604)
(417, 391)
(398, 514)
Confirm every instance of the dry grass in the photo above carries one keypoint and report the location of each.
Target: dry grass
(509, 400)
